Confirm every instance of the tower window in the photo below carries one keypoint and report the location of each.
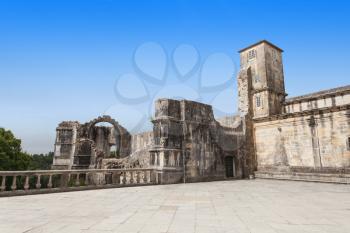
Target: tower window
(256, 78)
(251, 54)
(348, 143)
(258, 101)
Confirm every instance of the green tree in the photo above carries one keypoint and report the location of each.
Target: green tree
(11, 156)
(41, 161)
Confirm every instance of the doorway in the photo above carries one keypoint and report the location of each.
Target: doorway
(229, 167)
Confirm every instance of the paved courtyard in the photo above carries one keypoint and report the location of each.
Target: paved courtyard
(227, 206)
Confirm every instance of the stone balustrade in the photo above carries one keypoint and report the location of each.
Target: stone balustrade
(47, 181)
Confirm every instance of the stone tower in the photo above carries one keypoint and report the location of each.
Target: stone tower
(261, 81)
(261, 91)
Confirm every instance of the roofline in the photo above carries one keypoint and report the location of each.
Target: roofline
(320, 94)
(260, 42)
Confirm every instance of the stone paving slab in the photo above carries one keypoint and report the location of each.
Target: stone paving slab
(262, 206)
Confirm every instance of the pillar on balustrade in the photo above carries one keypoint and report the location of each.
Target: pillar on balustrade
(26, 183)
(14, 183)
(116, 178)
(3, 183)
(64, 180)
(86, 182)
(77, 180)
(49, 184)
(38, 182)
(98, 178)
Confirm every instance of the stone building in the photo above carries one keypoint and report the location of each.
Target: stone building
(303, 138)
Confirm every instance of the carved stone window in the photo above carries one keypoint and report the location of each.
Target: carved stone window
(258, 101)
(251, 54)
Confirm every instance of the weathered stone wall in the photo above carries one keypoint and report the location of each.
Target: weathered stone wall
(310, 142)
(66, 135)
(85, 145)
(234, 121)
(188, 140)
(141, 141)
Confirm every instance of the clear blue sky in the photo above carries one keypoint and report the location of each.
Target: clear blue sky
(59, 60)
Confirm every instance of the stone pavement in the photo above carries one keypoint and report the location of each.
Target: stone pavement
(226, 206)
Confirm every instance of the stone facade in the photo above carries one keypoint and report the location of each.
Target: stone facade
(314, 141)
(308, 134)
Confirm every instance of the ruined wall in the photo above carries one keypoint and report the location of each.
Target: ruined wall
(204, 156)
(66, 136)
(139, 157)
(230, 121)
(188, 140)
(310, 142)
(141, 141)
(232, 140)
(80, 146)
(246, 110)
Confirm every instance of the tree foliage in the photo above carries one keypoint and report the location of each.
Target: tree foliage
(11, 155)
(12, 158)
(41, 161)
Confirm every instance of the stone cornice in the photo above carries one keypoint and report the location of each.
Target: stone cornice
(303, 113)
(260, 42)
(319, 95)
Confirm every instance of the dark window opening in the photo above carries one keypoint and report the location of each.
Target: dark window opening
(229, 166)
(251, 54)
(258, 101)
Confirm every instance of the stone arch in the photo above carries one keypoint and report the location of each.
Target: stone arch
(123, 137)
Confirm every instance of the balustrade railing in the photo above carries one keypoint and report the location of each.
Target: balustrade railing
(46, 181)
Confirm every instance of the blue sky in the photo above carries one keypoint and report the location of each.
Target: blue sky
(61, 60)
